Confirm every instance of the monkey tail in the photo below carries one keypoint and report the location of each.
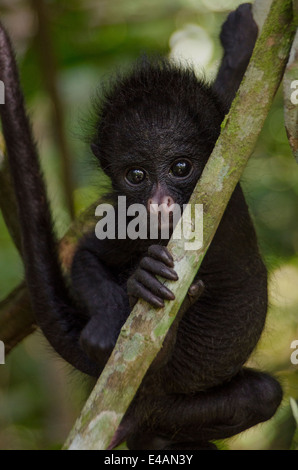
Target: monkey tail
(54, 309)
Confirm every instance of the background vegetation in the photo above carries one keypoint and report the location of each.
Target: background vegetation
(62, 64)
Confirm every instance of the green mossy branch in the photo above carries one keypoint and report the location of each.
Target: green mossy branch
(143, 334)
(291, 96)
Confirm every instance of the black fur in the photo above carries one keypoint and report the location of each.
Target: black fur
(197, 389)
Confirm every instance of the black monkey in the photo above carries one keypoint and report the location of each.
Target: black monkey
(156, 129)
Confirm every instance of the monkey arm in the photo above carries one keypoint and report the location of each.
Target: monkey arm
(100, 295)
(238, 37)
(103, 296)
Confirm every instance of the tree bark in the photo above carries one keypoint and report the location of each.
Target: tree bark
(291, 97)
(16, 321)
(8, 204)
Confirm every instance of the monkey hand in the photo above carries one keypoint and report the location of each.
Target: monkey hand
(143, 284)
(238, 35)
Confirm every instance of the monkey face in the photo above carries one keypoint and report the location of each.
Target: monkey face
(151, 162)
(155, 132)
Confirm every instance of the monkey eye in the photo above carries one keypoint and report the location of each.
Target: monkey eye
(135, 176)
(181, 168)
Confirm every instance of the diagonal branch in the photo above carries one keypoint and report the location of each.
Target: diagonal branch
(8, 205)
(16, 318)
(291, 97)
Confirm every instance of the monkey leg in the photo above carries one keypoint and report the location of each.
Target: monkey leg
(191, 421)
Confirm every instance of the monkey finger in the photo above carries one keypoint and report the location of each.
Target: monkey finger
(136, 289)
(161, 253)
(155, 286)
(158, 268)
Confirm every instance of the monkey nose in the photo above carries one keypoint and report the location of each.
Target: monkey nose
(164, 204)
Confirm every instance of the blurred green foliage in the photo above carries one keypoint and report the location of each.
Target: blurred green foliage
(39, 395)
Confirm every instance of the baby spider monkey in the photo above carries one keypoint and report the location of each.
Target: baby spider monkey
(155, 131)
